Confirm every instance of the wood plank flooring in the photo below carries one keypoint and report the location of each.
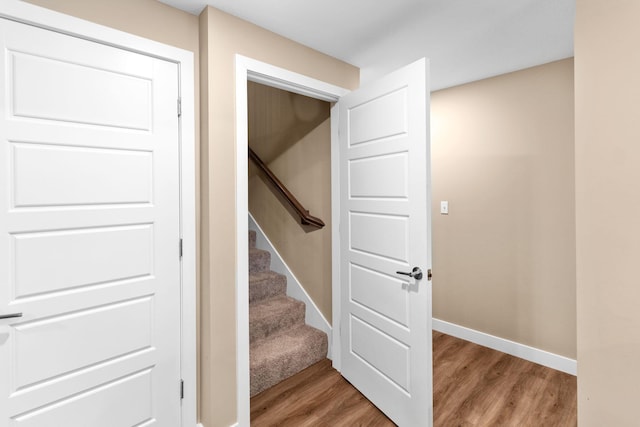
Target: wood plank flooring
(317, 396)
(477, 386)
(473, 386)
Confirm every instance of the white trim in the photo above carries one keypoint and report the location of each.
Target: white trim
(250, 69)
(243, 390)
(48, 19)
(335, 238)
(189, 250)
(270, 75)
(532, 354)
(313, 315)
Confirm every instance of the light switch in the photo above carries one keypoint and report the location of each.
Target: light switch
(444, 207)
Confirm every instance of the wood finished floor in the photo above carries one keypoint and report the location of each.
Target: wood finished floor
(472, 386)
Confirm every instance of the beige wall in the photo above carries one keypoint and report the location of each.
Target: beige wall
(222, 36)
(504, 257)
(146, 18)
(608, 211)
(292, 134)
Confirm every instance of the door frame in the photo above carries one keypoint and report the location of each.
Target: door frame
(248, 69)
(47, 19)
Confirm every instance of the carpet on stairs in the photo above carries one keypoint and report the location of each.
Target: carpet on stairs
(281, 344)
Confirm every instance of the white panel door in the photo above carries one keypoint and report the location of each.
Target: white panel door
(89, 234)
(385, 231)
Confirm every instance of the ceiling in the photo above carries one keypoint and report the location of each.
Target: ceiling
(465, 40)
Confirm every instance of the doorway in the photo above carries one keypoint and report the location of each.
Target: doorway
(384, 126)
(250, 70)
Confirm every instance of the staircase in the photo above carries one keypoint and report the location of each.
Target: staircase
(281, 343)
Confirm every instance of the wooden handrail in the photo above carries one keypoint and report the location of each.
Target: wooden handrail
(305, 218)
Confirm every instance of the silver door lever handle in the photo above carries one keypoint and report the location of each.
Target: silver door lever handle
(10, 316)
(416, 273)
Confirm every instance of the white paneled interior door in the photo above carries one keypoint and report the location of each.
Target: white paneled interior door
(89, 234)
(385, 322)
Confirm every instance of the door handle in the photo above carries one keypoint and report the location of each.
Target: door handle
(416, 273)
(10, 316)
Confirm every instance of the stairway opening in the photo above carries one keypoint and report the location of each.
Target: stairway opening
(291, 133)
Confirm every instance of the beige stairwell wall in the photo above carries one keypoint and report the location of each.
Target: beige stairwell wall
(291, 133)
(222, 36)
(608, 211)
(504, 257)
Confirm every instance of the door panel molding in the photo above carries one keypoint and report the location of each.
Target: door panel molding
(18, 11)
(385, 224)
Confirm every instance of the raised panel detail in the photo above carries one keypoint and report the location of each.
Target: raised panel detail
(51, 89)
(371, 121)
(390, 239)
(124, 402)
(89, 230)
(378, 176)
(48, 348)
(47, 262)
(380, 293)
(52, 175)
(381, 352)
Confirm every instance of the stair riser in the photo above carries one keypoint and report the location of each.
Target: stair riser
(267, 372)
(252, 239)
(267, 288)
(276, 322)
(259, 261)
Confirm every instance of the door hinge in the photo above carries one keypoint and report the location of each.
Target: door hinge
(180, 248)
(181, 389)
(179, 107)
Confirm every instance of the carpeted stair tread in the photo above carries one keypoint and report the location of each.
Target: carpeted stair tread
(281, 356)
(281, 343)
(259, 260)
(275, 315)
(266, 284)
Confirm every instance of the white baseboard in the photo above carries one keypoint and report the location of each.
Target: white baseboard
(532, 354)
(233, 425)
(313, 316)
